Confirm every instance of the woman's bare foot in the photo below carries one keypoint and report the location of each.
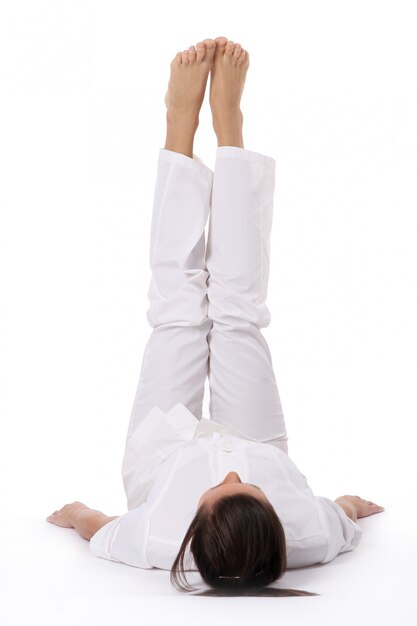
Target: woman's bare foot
(228, 76)
(185, 95)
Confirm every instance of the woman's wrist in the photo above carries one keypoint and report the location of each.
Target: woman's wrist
(88, 521)
(348, 506)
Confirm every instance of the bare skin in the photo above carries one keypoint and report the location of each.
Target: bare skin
(356, 507)
(186, 89)
(227, 63)
(227, 81)
(78, 515)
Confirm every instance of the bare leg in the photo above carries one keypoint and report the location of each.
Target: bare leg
(186, 88)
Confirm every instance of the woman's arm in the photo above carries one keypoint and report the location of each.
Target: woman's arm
(356, 507)
(77, 515)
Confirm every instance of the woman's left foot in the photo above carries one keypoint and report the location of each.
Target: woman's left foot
(228, 76)
(188, 79)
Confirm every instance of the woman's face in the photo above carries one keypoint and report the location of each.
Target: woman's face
(231, 485)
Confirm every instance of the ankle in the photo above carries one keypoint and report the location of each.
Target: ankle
(176, 118)
(180, 133)
(229, 128)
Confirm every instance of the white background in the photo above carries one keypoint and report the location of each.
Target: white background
(331, 95)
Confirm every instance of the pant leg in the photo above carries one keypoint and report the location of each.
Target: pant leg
(175, 360)
(243, 389)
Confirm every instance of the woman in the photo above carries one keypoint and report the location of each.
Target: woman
(217, 495)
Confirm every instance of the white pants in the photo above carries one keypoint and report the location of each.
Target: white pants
(207, 306)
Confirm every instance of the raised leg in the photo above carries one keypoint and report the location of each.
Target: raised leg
(174, 365)
(243, 389)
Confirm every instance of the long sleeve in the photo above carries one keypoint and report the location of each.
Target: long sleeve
(124, 539)
(343, 534)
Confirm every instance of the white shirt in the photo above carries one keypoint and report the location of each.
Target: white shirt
(172, 458)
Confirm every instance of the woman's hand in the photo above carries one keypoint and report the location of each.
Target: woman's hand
(65, 517)
(77, 515)
(363, 507)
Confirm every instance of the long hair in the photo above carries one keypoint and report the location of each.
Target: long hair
(238, 545)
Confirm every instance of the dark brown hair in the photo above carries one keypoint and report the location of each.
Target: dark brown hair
(238, 545)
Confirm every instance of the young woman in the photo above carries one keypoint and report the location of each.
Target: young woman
(219, 496)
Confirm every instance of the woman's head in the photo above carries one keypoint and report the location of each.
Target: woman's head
(236, 539)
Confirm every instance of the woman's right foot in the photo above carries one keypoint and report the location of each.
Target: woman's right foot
(186, 88)
(227, 81)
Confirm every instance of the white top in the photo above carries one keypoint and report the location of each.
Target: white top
(172, 458)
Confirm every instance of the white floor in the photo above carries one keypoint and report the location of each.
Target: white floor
(49, 576)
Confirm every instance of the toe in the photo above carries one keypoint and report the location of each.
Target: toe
(229, 48)
(184, 57)
(220, 46)
(242, 56)
(209, 43)
(200, 50)
(210, 47)
(221, 41)
(237, 50)
(191, 54)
